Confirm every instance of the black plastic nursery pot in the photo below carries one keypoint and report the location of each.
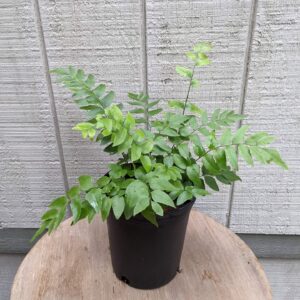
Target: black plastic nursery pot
(145, 256)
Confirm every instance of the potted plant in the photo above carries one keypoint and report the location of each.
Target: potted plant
(164, 164)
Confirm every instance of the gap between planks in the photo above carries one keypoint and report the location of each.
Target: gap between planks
(247, 58)
(44, 56)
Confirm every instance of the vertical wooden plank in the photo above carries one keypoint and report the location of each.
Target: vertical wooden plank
(9, 264)
(103, 38)
(284, 277)
(267, 201)
(173, 28)
(29, 164)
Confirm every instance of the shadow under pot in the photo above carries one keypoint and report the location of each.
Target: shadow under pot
(145, 256)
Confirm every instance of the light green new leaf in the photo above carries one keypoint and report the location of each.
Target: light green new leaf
(176, 104)
(203, 47)
(162, 197)
(183, 71)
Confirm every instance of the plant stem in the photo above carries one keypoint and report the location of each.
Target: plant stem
(218, 147)
(189, 89)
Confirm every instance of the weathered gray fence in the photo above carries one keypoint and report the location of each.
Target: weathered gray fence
(131, 46)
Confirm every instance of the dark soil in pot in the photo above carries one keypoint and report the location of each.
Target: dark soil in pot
(144, 256)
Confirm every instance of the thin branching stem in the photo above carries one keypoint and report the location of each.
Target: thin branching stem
(188, 92)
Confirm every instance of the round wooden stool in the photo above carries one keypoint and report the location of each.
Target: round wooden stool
(74, 263)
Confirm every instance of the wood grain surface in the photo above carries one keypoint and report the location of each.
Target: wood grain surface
(74, 263)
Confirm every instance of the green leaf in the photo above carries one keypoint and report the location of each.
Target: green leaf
(176, 104)
(94, 198)
(150, 216)
(162, 197)
(75, 209)
(153, 103)
(161, 183)
(99, 90)
(275, 156)
(154, 112)
(195, 109)
(107, 100)
(138, 197)
(183, 197)
(193, 173)
(137, 111)
(103, 181)
(168, 161)
(85, 182)
(120, 137)
(231, 156)
(226, 137)
(260, 154)
(118, 206)
(146, 162)
(185, 72)
(136, 152)
(184, 150)
(240, 135)
(169, 132)
(39, 231)
(179, 161)
(260, 138)
(210, 164)
(50, 214)
(106, 207)
(199, 192)
(203, 47)
(245, 153)
(73, 192)
(160, 142)
(195, 83)
(211, 182)
(59, 202)
(157, 208)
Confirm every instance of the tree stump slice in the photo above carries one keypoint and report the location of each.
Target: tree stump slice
(74, 263)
